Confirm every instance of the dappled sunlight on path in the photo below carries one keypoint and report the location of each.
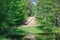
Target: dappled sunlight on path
(30, 22)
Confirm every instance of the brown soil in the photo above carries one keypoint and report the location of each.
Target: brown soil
(30, 22)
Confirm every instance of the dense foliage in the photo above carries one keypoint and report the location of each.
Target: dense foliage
(48, 11)
(15, 12)
(28, 7)
(12, 12)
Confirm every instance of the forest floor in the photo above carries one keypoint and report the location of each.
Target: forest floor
(31, 21)
(31, 26)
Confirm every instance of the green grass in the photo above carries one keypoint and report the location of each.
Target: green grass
(31, 29)
(4, 38)
(23, 30)
(28, 30)
(57, 29)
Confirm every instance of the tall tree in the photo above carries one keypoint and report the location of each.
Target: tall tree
(12, 13)
(29, 7)
(48, 11)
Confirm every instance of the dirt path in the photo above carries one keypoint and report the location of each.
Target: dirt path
(30, 22)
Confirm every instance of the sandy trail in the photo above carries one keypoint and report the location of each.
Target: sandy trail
(31, 22)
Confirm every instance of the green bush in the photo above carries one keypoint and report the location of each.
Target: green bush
(48, 10)
(12, 12)
(44, 37)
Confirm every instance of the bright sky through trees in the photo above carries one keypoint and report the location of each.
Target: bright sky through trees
(34, 1)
